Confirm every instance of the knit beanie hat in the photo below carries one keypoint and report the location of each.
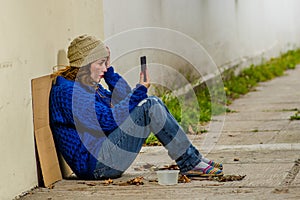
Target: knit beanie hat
(85, 49)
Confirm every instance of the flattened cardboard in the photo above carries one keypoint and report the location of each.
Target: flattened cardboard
(65, 168)
(47, 155)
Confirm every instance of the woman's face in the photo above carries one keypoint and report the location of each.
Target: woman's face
(98, 68)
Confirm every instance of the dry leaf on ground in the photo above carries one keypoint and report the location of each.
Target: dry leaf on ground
(134, 181)
(183, 179)
(108, 182)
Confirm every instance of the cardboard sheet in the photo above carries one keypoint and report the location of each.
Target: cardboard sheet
(47, 155)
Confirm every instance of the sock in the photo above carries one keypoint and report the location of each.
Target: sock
(207, 161)
(202, 165)
(207, 169)
(212, 163)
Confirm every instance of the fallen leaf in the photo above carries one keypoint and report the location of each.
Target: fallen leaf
(108, 182)
(135, 181)
(184, 179)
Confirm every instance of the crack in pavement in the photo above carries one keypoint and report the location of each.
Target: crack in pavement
(290, 177)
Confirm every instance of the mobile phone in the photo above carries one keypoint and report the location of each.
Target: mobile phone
(143, 67)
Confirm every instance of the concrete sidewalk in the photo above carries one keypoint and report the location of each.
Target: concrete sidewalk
(258, 140)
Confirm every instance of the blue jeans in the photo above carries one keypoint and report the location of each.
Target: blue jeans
(122, 146)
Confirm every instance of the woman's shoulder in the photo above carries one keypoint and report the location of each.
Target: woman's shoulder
(61, 87)
(59, 80)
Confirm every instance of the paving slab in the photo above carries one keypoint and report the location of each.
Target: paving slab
(266, 106)
(255, 125)
(270, 115)
(247, 137)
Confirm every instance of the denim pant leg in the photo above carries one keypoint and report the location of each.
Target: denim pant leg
(172, 136)
(122, 146)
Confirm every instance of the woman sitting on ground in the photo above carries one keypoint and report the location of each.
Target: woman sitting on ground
(98, 131)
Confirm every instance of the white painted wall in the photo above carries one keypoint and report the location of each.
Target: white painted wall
(31, 34)
(232, 31)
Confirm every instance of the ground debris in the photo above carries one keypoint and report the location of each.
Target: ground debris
(202, 178)
(91, 184)
(215, 184)
(227, 178)
(183, 179)
(170, 167)
(153, 144)
(146, 167)
(135, 181)
(190, 130)
(153, 181)
(108, 182)
(224, 178)
(50, 186)
(94, 183)
(280, 190)
(88, 183)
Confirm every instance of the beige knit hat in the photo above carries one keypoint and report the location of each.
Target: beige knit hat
(85, 49)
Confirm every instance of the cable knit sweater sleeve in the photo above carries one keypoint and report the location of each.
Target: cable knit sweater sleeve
(117, 85)
(86, 105)
(110, 118)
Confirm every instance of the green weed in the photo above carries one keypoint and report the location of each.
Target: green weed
(296, 116)
(152, 140)
(250, 77)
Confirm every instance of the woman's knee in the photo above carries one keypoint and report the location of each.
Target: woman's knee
(152, 100)
(155, 100)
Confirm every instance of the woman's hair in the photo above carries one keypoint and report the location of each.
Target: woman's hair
(81, 74)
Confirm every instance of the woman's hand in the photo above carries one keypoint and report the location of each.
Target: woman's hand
(147, 82)
(107, 63)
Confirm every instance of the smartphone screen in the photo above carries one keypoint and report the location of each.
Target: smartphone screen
(143, 67)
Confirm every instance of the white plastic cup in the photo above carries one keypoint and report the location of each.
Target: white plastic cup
(167, 177)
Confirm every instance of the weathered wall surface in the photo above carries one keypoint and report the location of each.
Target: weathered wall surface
(31, 34)
(231, 31)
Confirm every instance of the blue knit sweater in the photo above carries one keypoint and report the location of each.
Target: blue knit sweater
(81, 118)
